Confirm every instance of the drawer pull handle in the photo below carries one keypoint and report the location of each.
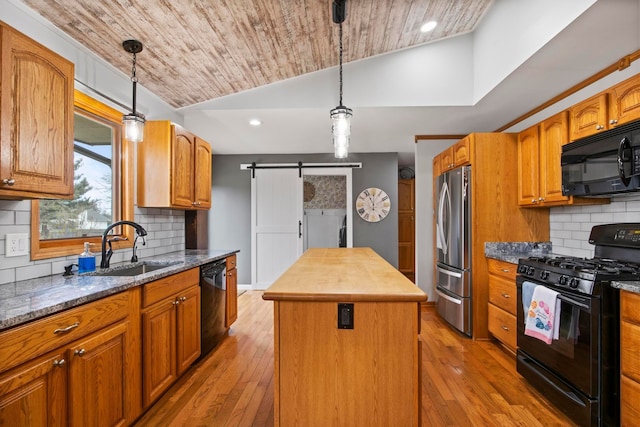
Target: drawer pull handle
(67, 329)
(506, 296)
(59, 363)
(506, 270)
(79, 352)
(504, 327)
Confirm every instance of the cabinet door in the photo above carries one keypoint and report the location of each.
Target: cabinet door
(188, 324)
(182, 167)
(588, 117)
(232, 297)
(446, 159)
(461, 152)
(98, 378)
(436, 166)
(528, 167)
(159, 368)
(625, 102)
(36, 121)
(35, 394)
(202, 177)
(554, 133)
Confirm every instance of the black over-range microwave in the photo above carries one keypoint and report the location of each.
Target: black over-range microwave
(603, 164)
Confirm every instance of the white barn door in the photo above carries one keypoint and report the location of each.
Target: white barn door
(276, 221)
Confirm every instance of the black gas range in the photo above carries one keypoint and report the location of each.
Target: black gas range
(579, 372)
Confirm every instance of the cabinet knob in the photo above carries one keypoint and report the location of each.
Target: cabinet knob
(196, 203)
(79, 352)
(599, 127)
(8, 181)
(541, 199)
(183, 299)
(59, 363)
(613, 122)
(534, 201)
(176, 302)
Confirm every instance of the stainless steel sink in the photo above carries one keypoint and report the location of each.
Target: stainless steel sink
(135, 269)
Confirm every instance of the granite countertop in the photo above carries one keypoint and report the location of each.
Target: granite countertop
(631, 286)
(513, 251)
(27, 300)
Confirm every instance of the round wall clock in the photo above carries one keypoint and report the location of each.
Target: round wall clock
(373, 204)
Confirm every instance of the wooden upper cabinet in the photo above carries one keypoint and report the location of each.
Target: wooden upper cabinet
(436, 166)
(456, 155)
(589, 116)
(36, 120)
(528, 166)
(624, 101)
(617, 105)
(554, 133)
(174, 168)
(539, 168)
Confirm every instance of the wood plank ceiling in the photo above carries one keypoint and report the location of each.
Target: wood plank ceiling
(197, 50)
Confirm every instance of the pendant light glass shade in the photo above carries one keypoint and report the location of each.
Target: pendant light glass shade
(134, 122)
(341, 128)
(133, 127)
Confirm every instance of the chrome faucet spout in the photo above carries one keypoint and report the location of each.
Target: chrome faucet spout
(106, 255)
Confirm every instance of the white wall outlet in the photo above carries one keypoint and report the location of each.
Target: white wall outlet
(16, 245)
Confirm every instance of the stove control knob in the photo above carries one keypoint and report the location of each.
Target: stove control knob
(531, 271)
(522, 269)
(563, 280)
(544, 275)
(574, 282)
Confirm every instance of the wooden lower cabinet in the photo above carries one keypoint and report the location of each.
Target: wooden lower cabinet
(502, 302)
(231, 307)
(80, 367)
(629, 358)
(368, 375)
(170, 331)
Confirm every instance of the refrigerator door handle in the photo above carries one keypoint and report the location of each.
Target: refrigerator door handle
(448, 298)
(440, 228)
(449, 273)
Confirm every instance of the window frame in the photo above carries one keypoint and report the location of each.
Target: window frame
(44, 249)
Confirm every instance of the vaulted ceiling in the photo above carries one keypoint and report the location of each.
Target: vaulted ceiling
(198, 50)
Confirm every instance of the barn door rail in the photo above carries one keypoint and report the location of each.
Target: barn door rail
(300, 165)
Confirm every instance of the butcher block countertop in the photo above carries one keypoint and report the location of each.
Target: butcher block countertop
(343, 274)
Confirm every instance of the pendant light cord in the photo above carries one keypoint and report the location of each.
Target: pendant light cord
(134, 79)
(340, 63)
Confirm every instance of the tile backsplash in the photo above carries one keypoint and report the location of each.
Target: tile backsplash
(165, 229)
(570, 225)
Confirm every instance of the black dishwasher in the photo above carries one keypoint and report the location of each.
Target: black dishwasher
(212, 303)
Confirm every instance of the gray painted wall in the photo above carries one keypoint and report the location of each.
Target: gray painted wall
(230, 214)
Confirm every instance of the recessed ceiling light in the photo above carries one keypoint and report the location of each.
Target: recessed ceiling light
(428, 26)
(255, 122)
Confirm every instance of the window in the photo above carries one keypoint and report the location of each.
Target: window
(103, 188)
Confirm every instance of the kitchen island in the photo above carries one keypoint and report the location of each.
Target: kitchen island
(347, 345)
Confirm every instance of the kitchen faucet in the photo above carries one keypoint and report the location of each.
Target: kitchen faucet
(106, 255)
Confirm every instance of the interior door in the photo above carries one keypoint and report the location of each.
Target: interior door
(276, 224)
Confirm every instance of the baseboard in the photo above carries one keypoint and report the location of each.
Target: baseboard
(245, 288)
(427, 305)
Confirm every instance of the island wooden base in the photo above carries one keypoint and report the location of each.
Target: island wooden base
(329, 375)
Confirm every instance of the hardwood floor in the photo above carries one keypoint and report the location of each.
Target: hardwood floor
(464, 382)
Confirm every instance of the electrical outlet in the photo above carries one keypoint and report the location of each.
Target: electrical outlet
(16, 245)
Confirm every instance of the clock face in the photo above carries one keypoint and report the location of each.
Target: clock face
(373, 204)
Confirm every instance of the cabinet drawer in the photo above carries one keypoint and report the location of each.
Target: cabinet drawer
(630, 350)
(503, 326)
(163, 288)
(630, 306)
(231, 262)
(503, 293)
(629, 397)
(28, 341)
(502, 268)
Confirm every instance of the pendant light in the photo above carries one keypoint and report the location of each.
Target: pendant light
(341, 115)
(134, 122)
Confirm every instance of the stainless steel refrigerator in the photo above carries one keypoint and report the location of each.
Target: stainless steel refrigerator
(453, 245)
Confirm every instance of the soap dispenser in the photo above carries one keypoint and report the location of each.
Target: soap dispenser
(86, 260)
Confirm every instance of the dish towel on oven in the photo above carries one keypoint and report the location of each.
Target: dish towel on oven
(543, 316)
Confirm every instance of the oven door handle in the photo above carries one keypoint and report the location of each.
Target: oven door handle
(448, 298)
(574, 302)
